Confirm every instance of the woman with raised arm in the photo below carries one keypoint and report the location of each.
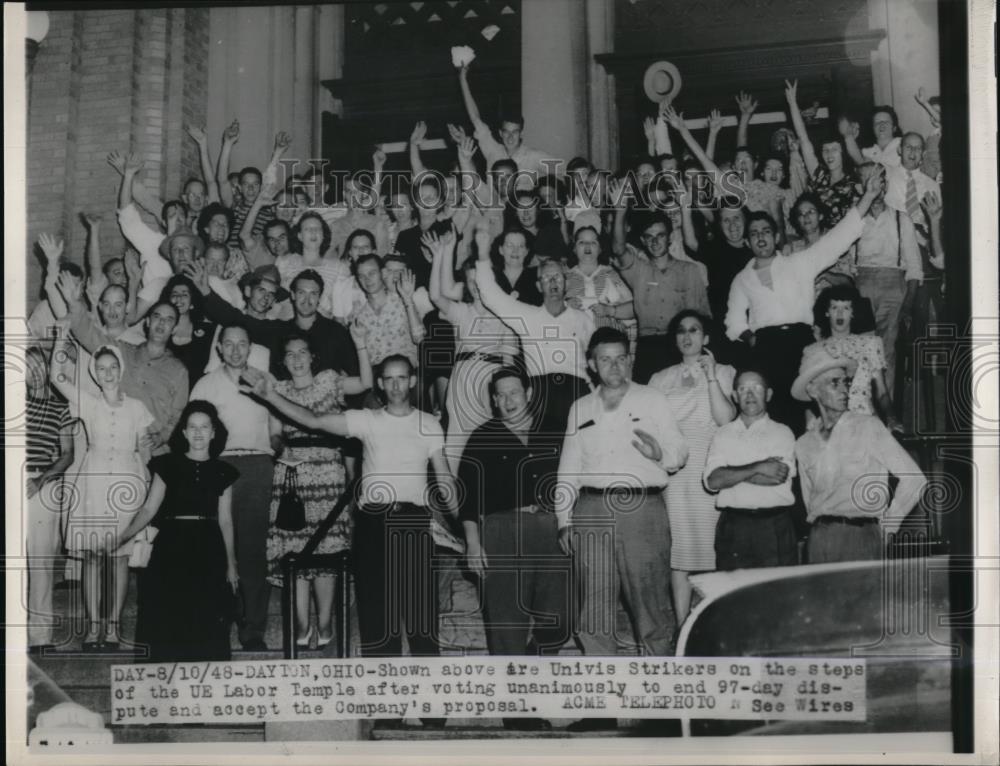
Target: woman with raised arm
(110, 485)
(831, 179)
(316, 465)
(187, 593)
(191, 340)
(698, 392)
(483, 344)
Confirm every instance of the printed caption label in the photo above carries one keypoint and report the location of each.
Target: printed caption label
(750, 688)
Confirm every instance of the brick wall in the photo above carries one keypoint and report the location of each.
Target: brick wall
(121, 79)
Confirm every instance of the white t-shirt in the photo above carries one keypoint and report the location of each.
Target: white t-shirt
(396, 451)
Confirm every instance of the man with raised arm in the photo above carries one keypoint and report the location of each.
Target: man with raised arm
(511, 146)
(771, 299)
(554, 336)
(392, 549)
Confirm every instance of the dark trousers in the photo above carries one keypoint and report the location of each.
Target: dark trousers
(652, 354)
(778, 352)
(251, 518)
(746, 538)
(829, 542)
(528, 589)
(553, 395)
(394, 580)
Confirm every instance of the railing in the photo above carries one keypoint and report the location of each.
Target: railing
(307, 558)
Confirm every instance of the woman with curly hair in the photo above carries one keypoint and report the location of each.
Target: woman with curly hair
(836, 314)
(191, 340)
(314, 463)
(186, 593)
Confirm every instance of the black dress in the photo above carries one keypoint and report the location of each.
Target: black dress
(185, 603)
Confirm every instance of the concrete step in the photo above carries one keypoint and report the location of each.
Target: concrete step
(189, 733)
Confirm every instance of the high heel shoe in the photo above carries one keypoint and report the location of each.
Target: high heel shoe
(322, 641)
(303, 642)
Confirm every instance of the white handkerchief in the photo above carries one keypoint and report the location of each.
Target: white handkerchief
(462, 55)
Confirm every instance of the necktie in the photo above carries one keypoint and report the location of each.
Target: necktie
(912, 202)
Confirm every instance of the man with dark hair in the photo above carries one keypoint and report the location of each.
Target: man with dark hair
(770, 300)
(751, 464)
(621, 444)
(507, 475)
(248, 449)
(661, 285)
(329, 340)
(389, 322)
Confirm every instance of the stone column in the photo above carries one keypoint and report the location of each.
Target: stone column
(554, 76)
(602, 115)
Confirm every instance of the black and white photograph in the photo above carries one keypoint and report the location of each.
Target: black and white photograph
(502, 380)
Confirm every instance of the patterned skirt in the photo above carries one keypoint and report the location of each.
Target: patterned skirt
(321, 480)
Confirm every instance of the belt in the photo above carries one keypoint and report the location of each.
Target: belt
(465, 356)
(309, 441)
(245, 453)
(189, 518)
(621, 490)
(852, 521)
(759, 513)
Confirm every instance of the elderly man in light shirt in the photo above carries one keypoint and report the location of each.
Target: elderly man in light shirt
(844, 465)
(770, 300)
(248, 449)
(621, 444)
(751, 464)
(554, 336)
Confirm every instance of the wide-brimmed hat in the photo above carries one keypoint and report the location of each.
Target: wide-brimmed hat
(661, 80)
(817, 359)
(198, 247)
(268, 273)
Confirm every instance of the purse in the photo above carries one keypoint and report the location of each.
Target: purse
(291, 515)
(142, 548)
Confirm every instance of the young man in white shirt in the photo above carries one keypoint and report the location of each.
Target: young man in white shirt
(248, 449)
(771, 299)
(392, 549)
(751, 464)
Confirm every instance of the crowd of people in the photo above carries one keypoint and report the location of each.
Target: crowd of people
(590, 384)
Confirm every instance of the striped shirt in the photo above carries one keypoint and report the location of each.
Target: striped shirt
(45, 419)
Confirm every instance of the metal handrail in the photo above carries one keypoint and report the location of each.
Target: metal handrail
(292, 563)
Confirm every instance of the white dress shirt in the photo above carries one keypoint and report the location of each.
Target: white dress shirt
(737, 444)
(598, 449)
(245, 419)
(753, 305)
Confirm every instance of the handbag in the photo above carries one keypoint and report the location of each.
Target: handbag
(142, 548)
(291, 515)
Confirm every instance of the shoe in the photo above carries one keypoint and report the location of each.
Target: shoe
(659, 727)
(526, 724)
(254, 645)
(434, 723)
(593, 724)
(112, 641)
(303, 641)
(322, 641)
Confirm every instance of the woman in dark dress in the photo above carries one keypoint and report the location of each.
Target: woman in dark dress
(186, 594)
